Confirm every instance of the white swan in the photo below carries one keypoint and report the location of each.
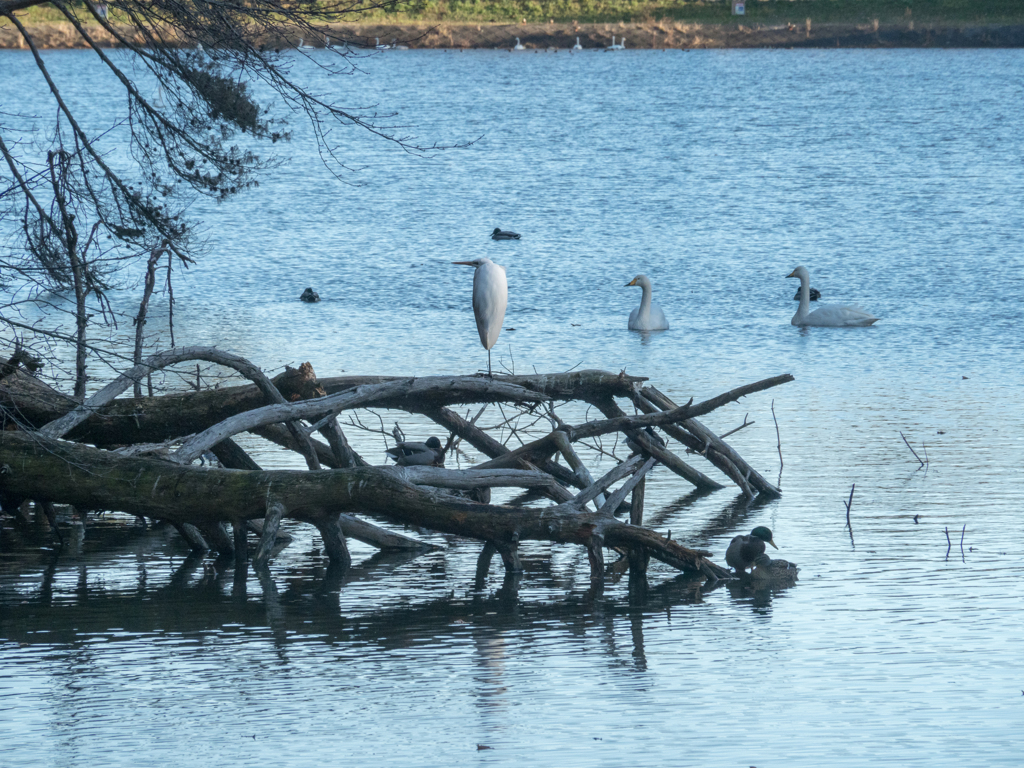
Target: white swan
(303, 46)
(828, 316)
(380, 47)
(518, 46)
(620, 47)
(577, 47)
(646, 317)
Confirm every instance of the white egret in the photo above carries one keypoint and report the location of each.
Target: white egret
(490, 297)
(427, 454)
(518, 46)
(577, 47)
(646, 317)
(828, 316)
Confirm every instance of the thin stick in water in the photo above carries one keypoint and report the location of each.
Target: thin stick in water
(779, 438)
(848, 505)
(912, 449)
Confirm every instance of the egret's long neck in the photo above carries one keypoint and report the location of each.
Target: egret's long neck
(645, 302)
(805, 295)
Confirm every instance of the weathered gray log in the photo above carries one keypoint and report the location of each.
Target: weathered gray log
(276, 433)
(573, 460)
(214, 531)
(271, 523)
(638, 558)
(488, 446)
(643, 442)
(360, 397)
(97, 479)
(353, 527)
(473, 477)
(616, 498)
(193, 536)
(155, 419)
(612, 476)
(708, 437)
(233, 457)
(344, 456)
(241, 542)
(701, 447)
(329, 526)
(483, 563)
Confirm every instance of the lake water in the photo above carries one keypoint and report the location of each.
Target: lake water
(894, 176)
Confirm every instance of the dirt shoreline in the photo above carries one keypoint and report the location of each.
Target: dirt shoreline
(653, 34)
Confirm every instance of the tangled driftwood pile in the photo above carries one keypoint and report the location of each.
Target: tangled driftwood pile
(136, 455)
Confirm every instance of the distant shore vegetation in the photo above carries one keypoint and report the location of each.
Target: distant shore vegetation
(944, 12)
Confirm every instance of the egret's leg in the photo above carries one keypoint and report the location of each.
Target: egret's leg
(489, 364)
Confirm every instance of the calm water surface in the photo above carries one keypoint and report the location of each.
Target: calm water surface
(894, 176)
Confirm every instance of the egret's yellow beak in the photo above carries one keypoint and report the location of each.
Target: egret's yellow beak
(467, 263)
(631, 282)
(773, 544)
(792, 274)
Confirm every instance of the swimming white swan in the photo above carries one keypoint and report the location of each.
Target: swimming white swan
(518, 46)
(646, 317)
(620, 47)
(303, 46)
(380, 47)
(828, 316)
(577, 47)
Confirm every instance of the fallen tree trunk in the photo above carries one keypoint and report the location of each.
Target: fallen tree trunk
(97, 479)
(200, 502)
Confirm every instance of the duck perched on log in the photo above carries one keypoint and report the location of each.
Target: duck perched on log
(743, 551)
(429, 454)
(504, 234)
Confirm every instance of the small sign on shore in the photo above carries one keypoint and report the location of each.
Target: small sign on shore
(739, 8)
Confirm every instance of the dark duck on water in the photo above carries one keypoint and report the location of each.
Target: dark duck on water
(815, 294)
(504, 234)
(744, 551)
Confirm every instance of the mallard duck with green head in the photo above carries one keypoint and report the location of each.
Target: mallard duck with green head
(743, 551)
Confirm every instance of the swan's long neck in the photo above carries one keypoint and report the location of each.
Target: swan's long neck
(645, 303)
(805, 296)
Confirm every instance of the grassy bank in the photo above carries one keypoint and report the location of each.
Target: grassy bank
(941, 12)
